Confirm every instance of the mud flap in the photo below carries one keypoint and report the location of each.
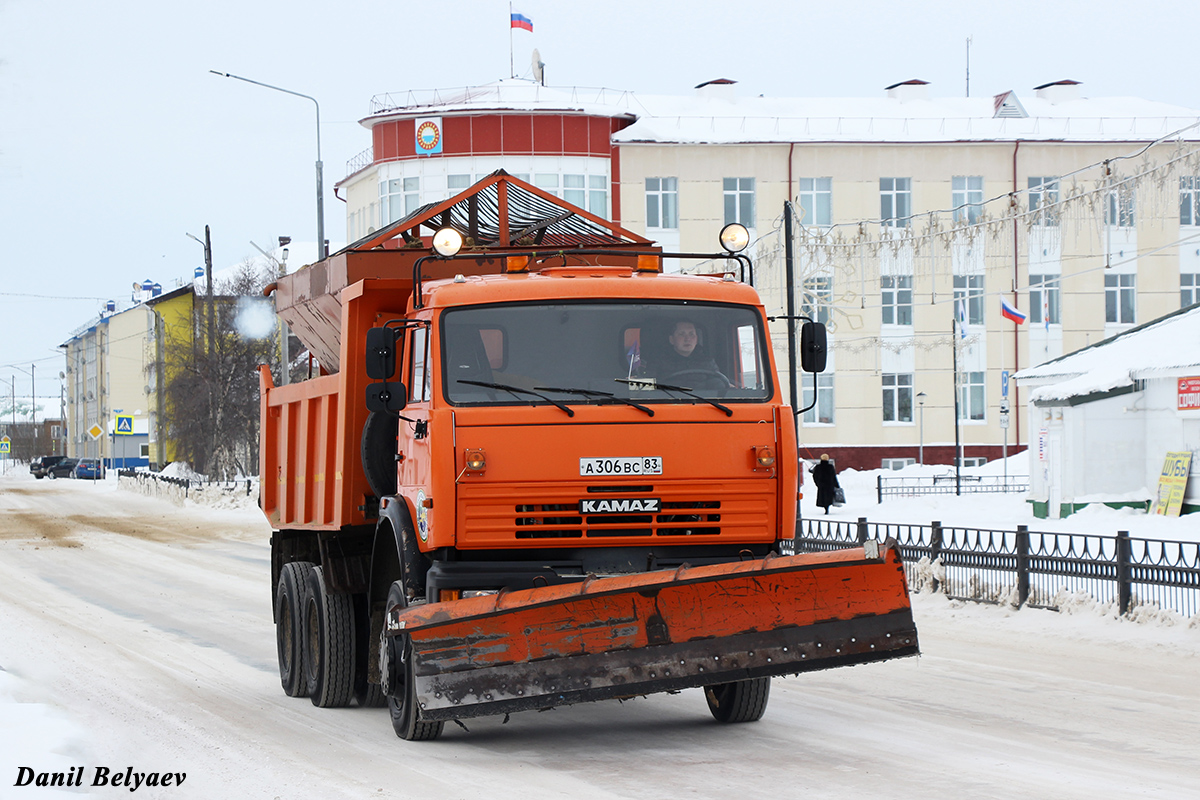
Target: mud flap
(660, 631)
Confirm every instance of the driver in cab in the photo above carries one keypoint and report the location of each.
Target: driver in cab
(685, 358)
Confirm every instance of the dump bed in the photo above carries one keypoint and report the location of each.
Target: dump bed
(309, 460)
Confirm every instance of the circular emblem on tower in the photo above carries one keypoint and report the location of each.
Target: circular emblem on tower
(429, 136)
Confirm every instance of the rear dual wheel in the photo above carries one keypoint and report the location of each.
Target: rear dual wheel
(740, 701)
(328, 643)
(291, 596)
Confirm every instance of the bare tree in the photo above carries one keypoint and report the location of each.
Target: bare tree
(211, 407)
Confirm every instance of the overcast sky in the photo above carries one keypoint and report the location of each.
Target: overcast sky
(116, 141)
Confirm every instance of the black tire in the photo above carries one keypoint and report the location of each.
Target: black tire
(290, 600)
(328, 644)
(401, 688)
(740, 701)
(366, 694)
(52, 476)
(378, 451)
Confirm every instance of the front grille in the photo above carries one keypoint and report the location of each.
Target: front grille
(686, 518)
(710, 511)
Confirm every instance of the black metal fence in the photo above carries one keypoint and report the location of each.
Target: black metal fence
(188, 484)
(948, 484)
(1024, 567)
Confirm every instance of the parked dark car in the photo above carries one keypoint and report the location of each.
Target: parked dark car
(63, 469)
(39, 467)
(88, 469)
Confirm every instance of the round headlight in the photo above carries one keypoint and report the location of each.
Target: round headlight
(735, 237)
(447, 242)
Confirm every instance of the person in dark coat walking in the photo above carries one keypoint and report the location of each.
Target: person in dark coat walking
(825, 477)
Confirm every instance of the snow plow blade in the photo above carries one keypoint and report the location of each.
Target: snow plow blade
(660, 631)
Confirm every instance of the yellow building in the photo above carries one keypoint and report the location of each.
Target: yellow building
(109, 374)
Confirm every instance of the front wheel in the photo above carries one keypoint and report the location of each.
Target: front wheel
(395, 654)
(740, 701)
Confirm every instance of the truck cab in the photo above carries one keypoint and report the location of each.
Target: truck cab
(551, 429)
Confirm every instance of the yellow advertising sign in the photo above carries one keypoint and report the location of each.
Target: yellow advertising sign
(1172, 483)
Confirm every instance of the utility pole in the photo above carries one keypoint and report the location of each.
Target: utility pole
(968, 66)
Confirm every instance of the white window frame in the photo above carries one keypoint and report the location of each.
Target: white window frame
(574, 189)
(970, 288)
(662, 203)
(966, 192)
(739, 201)
(895, 202)
(598, 195)
(896, 463)
(897, 388)
(972, 396)
(1189, 200)
(1043, 200)
(1189, 288)
(896, 297)
(816, 299)
(1052, 286)
(1120, 298)
(823, 412)
(815, 198)
(1121, 205)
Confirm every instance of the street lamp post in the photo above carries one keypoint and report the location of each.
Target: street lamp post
(921, 447)
(321, 252)
(32, 373)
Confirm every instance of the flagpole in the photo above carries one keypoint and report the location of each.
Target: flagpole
(511, 71)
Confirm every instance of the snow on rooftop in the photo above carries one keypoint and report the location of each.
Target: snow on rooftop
(831, 119)
(725, 118)
(1166, 347)
(512, 94)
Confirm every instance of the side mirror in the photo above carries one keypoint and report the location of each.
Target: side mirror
(813, 349)
(381, 352)
(386, 396)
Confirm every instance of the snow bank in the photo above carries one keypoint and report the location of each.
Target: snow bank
(34, 732)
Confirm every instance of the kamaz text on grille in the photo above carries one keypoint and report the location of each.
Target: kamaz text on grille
(621, 505)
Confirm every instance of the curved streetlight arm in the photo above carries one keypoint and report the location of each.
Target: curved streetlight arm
(320, 179)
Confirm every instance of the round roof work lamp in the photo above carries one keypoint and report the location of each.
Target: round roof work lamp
(447, 242)
(735, 237)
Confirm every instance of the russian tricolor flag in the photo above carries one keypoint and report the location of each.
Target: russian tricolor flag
(521, 21)
(1008, 312)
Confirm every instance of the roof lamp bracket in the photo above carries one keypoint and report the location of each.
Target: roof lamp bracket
(746, 267)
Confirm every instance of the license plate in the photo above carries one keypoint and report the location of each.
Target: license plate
(645, 465)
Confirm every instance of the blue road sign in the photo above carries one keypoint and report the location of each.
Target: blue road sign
(124, 425)
(1004, 383)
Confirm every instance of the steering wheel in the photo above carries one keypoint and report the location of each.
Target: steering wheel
(708, 373)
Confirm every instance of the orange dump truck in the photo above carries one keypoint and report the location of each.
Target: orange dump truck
(540, 471)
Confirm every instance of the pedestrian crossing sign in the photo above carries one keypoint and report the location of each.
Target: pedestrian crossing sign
(5, 445)
(124, 425)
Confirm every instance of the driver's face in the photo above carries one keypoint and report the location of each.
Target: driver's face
(684, 338)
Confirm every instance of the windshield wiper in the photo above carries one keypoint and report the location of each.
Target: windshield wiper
(681, 389)
(504, 387)
(596, 393)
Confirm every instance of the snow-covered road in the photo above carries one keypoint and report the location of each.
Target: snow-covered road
(134, 633)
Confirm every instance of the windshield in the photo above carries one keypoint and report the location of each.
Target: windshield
(580, 353)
